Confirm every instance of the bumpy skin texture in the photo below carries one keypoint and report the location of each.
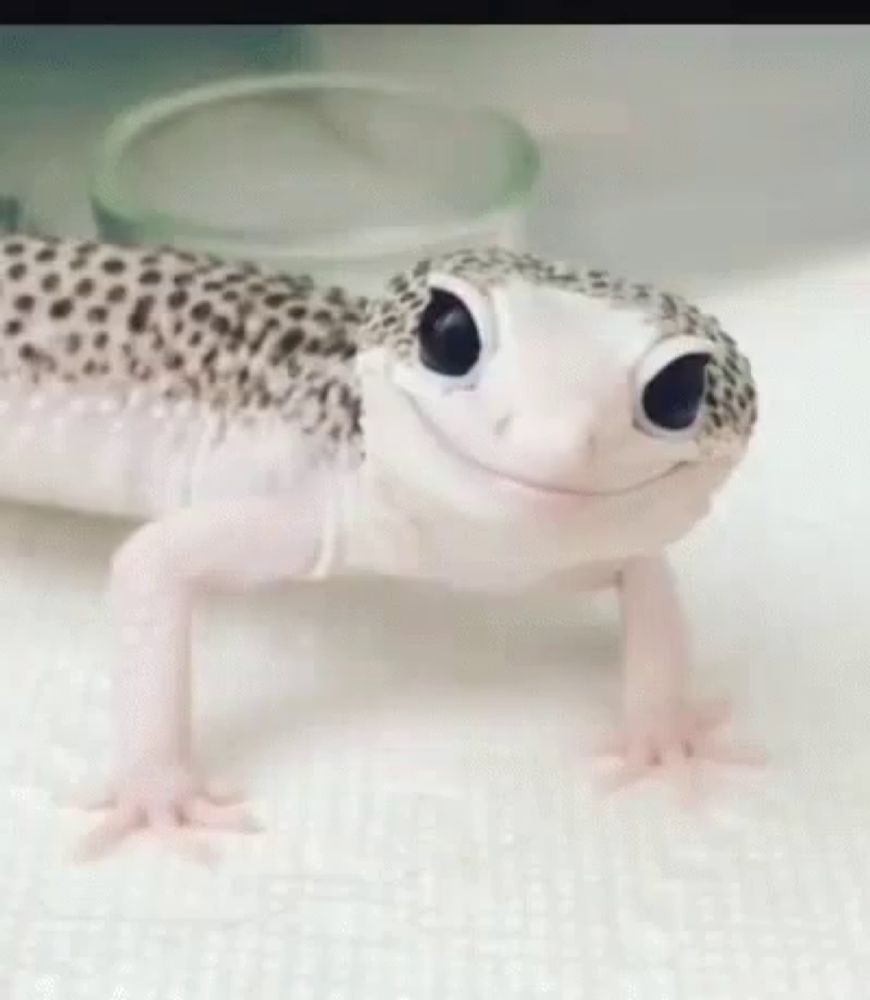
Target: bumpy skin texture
(244, 342)
(83, 320)
(183, 327)
(731, 394)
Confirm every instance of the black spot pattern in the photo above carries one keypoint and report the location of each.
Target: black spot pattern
(393, 321)
(139, 316)
(237, 339)
(201, 311)
(229, 336)
(60, 308)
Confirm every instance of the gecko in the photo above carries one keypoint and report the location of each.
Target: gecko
(491, 421)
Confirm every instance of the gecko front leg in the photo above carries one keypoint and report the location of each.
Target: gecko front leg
(156, 576)
(662, 728)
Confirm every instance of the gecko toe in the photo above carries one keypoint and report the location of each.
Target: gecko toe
(235, 818)
(711, 715)
(222, 793)
(620, 777)
(165, 820)
(104, 837)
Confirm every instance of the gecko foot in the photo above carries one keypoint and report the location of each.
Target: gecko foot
(169, 801)
(674, 742)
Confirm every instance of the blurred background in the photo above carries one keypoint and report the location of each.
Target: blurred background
(692, 155)
(683, 153)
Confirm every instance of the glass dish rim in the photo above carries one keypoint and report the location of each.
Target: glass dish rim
(107, 199)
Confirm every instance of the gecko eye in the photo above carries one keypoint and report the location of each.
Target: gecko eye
(671, 400)
(449, 340)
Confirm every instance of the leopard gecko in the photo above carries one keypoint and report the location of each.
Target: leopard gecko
(491, 421)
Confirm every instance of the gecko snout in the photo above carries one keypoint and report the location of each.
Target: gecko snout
(548, 441)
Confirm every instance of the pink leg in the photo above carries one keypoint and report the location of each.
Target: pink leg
(155, 577)
(662, 730)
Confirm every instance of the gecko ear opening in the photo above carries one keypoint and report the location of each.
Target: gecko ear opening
(671, 383)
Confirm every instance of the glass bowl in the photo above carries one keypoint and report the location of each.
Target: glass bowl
(345, 179)
(62, 85)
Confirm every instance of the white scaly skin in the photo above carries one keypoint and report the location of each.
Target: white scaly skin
(538, 467)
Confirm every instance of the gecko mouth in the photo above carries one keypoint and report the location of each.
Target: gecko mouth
(523, 483)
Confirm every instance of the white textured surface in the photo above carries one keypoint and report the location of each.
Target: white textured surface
(431, 830)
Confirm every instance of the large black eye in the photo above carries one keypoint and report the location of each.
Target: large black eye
(672, 398)
(449, 339)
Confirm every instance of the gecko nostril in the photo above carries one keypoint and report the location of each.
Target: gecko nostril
(502, 425)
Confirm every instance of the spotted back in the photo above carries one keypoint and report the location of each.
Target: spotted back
(180, 326)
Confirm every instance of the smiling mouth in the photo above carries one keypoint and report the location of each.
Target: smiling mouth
(520, 482)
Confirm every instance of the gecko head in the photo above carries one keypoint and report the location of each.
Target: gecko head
(511, 388)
